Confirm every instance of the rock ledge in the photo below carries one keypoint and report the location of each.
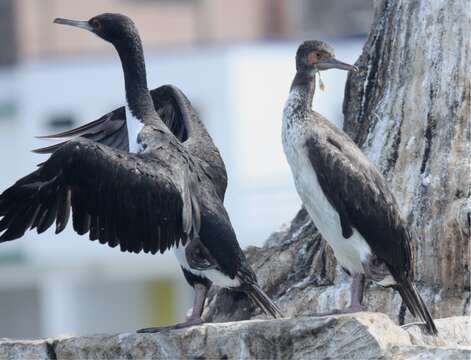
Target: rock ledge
(360, 336)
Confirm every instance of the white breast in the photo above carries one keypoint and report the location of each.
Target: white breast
(349, 252)
(214, 275)
(134, 128)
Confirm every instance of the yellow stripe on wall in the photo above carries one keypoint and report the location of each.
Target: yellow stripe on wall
(161, 301)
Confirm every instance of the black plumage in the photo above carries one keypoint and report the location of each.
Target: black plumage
(168, 194)
(361, 197)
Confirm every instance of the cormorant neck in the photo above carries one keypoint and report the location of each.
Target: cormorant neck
(305, 84)
(135, 79)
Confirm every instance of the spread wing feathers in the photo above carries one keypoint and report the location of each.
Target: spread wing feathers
(178, 115)
(361, 197)
(181, 118)
(109, 130)
(119, 198)
(174, 109)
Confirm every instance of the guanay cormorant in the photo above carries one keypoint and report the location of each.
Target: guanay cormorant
(346, 197)
(147, 178)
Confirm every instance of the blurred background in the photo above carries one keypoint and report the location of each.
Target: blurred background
(233, 59)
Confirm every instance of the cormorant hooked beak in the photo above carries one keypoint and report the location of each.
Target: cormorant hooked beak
(76, 23)
(333, 63)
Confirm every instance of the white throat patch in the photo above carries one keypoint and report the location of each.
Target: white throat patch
(134, 128)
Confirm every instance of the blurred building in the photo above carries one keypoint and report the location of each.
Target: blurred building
(27, 30)
(234, 60)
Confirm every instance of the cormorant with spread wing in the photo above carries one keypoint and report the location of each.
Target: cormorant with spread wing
(346, 197)
(146, 177)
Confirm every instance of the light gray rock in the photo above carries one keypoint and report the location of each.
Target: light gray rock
(454, 332)
(361, 336)
(427, 353)
(25, 349)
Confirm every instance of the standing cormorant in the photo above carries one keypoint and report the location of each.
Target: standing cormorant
(136, 181)
(346, 197)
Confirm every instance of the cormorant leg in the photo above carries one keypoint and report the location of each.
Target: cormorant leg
(194, 319)
(357, 290)
(198, 302)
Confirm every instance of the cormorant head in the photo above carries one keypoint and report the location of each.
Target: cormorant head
(110, 27)
(315, 55)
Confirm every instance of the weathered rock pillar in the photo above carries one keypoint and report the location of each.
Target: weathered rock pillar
(409, 109)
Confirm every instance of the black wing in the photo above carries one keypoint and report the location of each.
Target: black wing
(360, 195)
(178, 114)
(119, 198)
(109, 130)
(175, 111)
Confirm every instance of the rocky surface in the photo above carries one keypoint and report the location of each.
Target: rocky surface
(298, 270)
(408, 108)
(361, 336)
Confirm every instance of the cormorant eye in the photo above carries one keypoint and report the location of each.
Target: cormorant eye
(313, 57)
(96, 24)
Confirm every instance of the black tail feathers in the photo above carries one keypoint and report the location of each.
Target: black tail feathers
(258, 296)
(416, 305)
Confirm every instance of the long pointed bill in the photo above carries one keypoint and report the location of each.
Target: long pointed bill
(335, 64)
(76, 23)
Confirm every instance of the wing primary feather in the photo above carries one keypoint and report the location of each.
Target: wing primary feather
(7, 219)
(39, 215)
(94, 228)
(120, 198)
(48, 149)
(63, 210)
(80, 218)
(112, 237)
(49, 216)
(77, 131)
(19, 224)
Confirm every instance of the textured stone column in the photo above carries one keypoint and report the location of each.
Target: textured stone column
(408, 108)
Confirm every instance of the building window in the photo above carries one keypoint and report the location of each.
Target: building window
(61, 121)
